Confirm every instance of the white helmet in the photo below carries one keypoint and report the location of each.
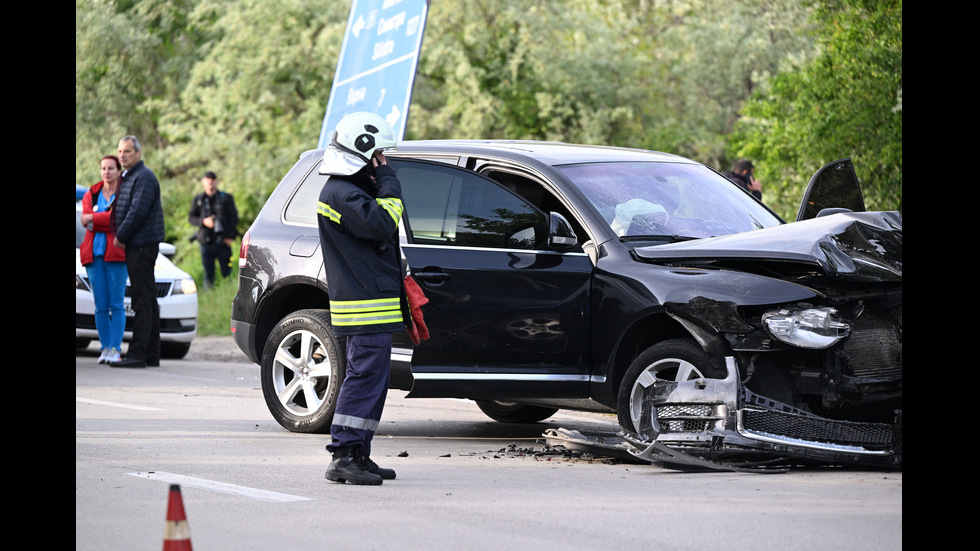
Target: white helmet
(357, 137)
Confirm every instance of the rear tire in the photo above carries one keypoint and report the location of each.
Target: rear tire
(510, 412)
(674, 360)
(303, 366)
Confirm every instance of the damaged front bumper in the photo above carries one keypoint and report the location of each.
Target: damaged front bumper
(718, 423)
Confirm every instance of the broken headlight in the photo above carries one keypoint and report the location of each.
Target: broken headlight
(806, 327)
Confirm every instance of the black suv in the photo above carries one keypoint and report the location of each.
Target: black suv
(570, 276)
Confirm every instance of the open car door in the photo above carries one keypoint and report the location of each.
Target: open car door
(833, 188)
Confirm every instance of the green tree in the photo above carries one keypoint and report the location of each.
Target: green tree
(129, 58)
(705, 59)
(847, 102)
(254, 99)
(630, 73)
(512, 69)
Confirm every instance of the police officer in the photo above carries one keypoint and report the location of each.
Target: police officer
(358, 213)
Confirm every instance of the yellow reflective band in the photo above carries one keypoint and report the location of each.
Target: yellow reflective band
(394, 207)
(365, 312)
(371, 318)
(370, 305)
(324, 209)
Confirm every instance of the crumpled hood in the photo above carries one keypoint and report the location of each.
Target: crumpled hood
(858, 246)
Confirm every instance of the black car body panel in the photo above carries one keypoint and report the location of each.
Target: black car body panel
(551, 268)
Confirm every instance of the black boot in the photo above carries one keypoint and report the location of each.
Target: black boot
(346, 468)
(371, 466)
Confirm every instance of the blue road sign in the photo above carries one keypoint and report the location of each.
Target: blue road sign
(377, 63)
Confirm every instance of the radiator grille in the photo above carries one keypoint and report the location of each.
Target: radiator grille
(874, 348)
(162, 287)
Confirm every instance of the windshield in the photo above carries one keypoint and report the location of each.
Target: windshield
(667, 200)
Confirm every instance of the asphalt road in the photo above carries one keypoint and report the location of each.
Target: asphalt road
(464, 481)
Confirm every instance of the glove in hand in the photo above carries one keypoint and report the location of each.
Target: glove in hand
(416, 299)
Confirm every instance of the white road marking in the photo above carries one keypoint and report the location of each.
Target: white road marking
(114, 404)
(222, 487)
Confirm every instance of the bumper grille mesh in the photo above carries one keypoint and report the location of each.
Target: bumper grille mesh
(685, 417)
(167, 325)
(876, 436)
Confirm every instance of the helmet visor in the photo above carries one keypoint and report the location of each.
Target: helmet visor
(340, 163)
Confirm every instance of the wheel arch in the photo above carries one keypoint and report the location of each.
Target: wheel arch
(648, 331)
(288, 296)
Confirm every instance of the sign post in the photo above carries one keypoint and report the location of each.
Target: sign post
(377, 63)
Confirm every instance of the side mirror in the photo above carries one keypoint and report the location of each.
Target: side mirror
(560, 234)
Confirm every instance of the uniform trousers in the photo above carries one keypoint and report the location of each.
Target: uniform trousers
(363, 392)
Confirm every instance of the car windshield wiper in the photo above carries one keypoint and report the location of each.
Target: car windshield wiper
(666, 238)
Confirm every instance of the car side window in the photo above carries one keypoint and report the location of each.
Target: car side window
(446, 205)
(302, 205)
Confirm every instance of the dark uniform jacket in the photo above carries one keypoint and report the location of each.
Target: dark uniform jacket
(358, 225)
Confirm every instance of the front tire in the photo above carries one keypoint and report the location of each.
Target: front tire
(510, 412)
(673, 360)
(303, 366)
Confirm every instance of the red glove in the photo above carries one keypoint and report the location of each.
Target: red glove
(416, 298)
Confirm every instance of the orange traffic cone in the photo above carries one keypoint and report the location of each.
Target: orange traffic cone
(176, 534)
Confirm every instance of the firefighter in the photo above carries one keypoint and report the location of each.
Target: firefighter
(358, 213)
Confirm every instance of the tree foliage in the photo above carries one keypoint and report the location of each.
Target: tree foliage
(846, 102)
(240, 87)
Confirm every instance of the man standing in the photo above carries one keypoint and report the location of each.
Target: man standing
(216, 217)
(138, 221)
(743, 174)
(358, 213)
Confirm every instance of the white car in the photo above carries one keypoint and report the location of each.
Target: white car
(176, 294)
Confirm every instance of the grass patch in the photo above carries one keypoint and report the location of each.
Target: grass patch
(214, 306)
(213, 303)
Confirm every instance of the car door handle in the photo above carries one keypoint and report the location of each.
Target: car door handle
(431, 276)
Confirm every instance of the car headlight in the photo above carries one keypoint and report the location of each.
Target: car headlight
(184, 286)
(806, 327)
